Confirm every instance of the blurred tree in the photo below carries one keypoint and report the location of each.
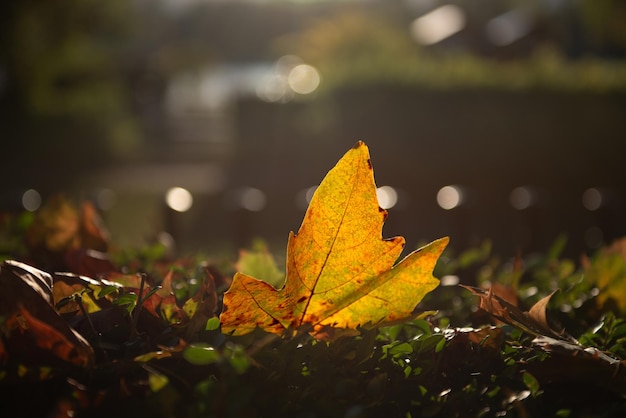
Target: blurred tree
(64, 98)
(63, 57)
(354, 45)
(605, 25)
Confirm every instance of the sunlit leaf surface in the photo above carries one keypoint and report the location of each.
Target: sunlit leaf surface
(340, 272)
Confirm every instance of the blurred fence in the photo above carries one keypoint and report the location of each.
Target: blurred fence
(530, 165)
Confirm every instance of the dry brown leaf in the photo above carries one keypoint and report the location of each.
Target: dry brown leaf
(534, 322)
(26, 306)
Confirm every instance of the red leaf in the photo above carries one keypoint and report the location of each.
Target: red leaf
(26, 303)
(65, 344)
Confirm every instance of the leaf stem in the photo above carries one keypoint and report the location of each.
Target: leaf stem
(138, 306)
(97, 336)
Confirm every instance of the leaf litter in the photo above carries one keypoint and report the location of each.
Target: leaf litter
(94, 341)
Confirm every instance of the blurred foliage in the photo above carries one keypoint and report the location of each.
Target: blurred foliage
(63, 56)
(609, 334)
(82, 60)
(604, 21)
(64, 67)
(353, 46)
(356, 48)
(13, 227)
(608, 271)
(93, 76)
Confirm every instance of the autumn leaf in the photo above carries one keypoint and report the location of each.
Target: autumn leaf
(534, 321)
(340, 272)
(63, 342)
(63, 237)
(26, 299)
(93, 293)
(166, 302)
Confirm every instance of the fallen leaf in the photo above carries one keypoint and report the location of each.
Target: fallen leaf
(21, 284)
(166, 305)
(55, 227)
(88, 262)
(26, 308)
(201, 306)
(537, 314)
(63, 237)
(92, 232)
(340, 272)
(570, 363)
(63, 342)
(534, 321)
(129, 281)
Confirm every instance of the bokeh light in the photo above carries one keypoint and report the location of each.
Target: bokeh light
(247, 198)
(179, 199)
(106, 199)
(449, 197)
(167, 241)
(450, 280)
(31, 200)
(387, 197)
(304, 196)
(273, 89)
(521, 198)
(438, 25)
(592, 199)
(303, 79)
(287, 77)
(252, 199)
(309, 193)
(508, 27)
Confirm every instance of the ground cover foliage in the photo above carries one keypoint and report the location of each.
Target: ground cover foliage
(169, 357)
(88, 330)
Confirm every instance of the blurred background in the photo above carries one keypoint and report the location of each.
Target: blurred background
(210, 122)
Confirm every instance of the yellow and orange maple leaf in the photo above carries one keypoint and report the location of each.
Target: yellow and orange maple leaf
(340, 271)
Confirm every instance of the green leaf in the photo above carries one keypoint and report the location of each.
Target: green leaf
(212, 324)
(157, 381)
(107, 290)
(259, 262)
(128, 300)
(201, 354)
(531, 383)
(237, 358)
(399, 349)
